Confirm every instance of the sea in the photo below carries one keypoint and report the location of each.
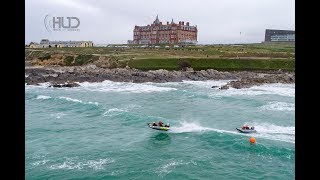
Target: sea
(99, 131)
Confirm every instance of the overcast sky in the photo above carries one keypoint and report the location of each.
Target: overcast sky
(112, 21)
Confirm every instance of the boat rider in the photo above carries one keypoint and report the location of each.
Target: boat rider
(245, 127)
(160, 123)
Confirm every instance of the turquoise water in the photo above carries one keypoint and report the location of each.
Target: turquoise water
(99, 131)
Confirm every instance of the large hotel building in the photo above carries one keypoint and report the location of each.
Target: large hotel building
(169, 33)
(274, 35)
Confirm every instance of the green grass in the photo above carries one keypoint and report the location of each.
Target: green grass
(44, 57)
(68, 60)
(218, 64)
(84, 59)
(269, 56)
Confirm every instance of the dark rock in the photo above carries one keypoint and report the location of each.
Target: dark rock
(224, 87)
(65, 85)
(60, 75)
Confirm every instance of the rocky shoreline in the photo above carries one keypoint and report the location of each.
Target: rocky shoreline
(69, 76)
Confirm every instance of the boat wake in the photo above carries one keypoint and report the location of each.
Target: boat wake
(265, 131)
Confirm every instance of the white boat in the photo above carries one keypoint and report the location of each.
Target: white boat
(247, 130)
(157, 127)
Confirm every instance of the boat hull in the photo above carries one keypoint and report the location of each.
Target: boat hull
(158, 127)
(246, 130)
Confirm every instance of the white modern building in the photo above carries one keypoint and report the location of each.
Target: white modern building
(45, 43)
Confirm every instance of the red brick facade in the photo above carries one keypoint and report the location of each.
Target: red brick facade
(170, 33)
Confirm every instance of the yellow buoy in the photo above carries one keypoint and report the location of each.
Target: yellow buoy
(252, 140)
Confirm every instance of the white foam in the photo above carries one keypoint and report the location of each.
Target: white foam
(44, 85)
(67, 99)
(189, 127)
(168, 167)
(98, 164)
(278, 106)
(58, 115)
(276, 88)
(113, 111)
(41, 162)
(268, 128)
(40, 86)
(109, 86)
(265, 130)
(116, 111)
(274, 132)
(207, 84)
(70, 99)
(95, 103)
(94, 164)
(77, 100)
(43, 97)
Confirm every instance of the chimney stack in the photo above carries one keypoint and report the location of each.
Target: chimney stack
(182, 22)
(167, 22)
(187, 23)
(179, 22)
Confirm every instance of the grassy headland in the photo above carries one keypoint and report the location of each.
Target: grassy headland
(219, 57)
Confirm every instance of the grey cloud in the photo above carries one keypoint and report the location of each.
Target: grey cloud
(112, 21)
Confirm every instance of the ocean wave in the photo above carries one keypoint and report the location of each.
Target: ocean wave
(275, 89)
(70, 99)
(43, 97)
(109, 86)
(77, 100)
(278, 106)
(117, 111)
(67, 99)
(113, 111)
(71, 164)
(196, 84)
(206, 84)
(169, 167)
(95, 103)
